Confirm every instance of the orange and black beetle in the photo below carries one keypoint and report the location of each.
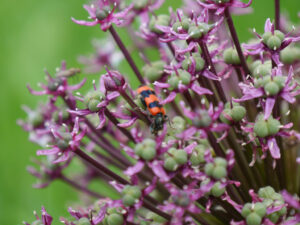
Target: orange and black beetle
(155, 109)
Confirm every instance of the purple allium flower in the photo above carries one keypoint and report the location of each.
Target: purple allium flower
(102, 13)
(210, 137)
(45, 219)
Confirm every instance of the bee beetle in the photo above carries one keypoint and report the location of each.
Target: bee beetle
(154, 108)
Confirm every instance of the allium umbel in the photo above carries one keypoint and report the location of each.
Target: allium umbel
(210, 137)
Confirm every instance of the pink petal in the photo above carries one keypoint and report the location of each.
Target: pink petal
(50, 151)
(200, 90)
(274, 149)
(170, 98)
(239, 4)
(128, 123)
(268, 25)
(102, 120)
(270, 102)
(189, 149)
(161, 85)
(134, 169)
(85, 23)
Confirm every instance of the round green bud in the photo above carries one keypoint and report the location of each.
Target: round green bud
(186, 63)
(83, 221)
(134, 191)
(253, 219)
(271, 88)
(112, 210)
(128, 200)
(173, 81)
(178, 124)
(266, 36)
(180, 157)
(199, 63)
(101, 14)
(219, 172)
(266, 80)
(238, 113)
(262, 70)
(139, 4)
(279, 34)
(195, 32)
(209, 169)
(170, 164)
(273, 217)
(220, 162)
(197, 155)
(162, 20)
(231, 56)
(273, 126)
(268, 202)
(35, 119)
(54, 84)
(148, 154)
(152, 73)
(93, 105)
(247, 209)
(176, 26)
(282, 211)
(224, 114)
(261, 128)
(62, 144)
(260, 209)
(266, 192)
(280, 81)
(185, 23)
(288, 55)
(254, 64)
(216, 190)
(274, 42)
(115, 219)
(147, 145)
(204, 119)
(184, 76)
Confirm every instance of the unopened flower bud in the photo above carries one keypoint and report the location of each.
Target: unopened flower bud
(115, 219)
(154, 71)
(173, 81)
(113, 81)
(216, 190)
(180, 156)
(101, 14)
(203, 120)
(182, 199)
(83, 221)
(54, 84)
(92, 99)
(231, 56)
(162, 20)
(253, 219)
(170, 164)
(184, 76)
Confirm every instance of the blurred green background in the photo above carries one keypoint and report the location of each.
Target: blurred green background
(38, 34)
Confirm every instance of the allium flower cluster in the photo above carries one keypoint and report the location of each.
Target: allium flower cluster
(210, 135)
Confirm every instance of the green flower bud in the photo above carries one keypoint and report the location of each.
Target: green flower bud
(260, 209)
(220, 162)
(54, 84)
(226, 112)
(209, 169)
(279, 34)
(197, 32)
(289, 55)
(170, 164)
(253, 219)
(92, 99)
(154, 71)
(216, 190)
(162, 20)
(273, 126)
(139, 4)
(266, 36)
(266, 192)
(115, 219)
(204, 119)
(184, 76)
(247, 209)
(262, 70)
(178, 124)
(101, 14)
(184, 24)
(35, 119)
(128, 200)
(134, 191)
(148, 154)
(271, 88)
(197, 155)
(146, 148)
(180, 157)
(83, 221)
(280, 81)
(238, 113)
(274, 42)
(231, 56)
(273, 217)
(261, 128)
(173, 81)
(93, 105)
(219, 172)
(199, 63)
